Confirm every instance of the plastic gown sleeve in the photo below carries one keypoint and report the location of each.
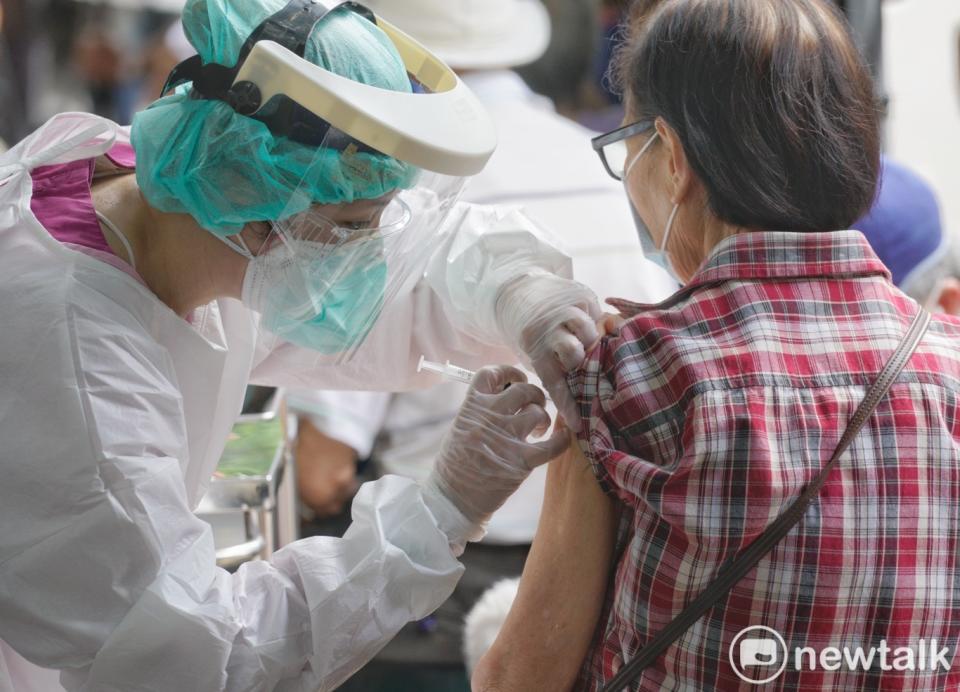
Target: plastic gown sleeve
(448, 312)
(106, 574)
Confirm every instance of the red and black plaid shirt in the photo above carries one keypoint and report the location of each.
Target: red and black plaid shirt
(712, 410)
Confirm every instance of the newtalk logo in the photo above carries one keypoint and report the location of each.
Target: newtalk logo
(759, 655)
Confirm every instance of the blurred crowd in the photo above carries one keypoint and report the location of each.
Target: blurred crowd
(107, 58)
(112, 58)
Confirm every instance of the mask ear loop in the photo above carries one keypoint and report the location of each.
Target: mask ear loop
(666, 237)
(673, 212)
(120, 236)
(666, 233)
(240, 249)
(640, 153)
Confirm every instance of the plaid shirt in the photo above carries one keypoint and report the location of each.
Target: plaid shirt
(712, 410)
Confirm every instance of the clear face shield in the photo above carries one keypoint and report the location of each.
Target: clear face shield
(321, 277)
(323, 272)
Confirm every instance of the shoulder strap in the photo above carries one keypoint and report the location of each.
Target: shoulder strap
(733, 571)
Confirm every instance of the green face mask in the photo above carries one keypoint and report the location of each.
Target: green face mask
(328, 308)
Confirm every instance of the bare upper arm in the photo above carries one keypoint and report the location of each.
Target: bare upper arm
(551, 624)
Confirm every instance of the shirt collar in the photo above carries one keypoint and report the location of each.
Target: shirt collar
(778, 255)
(785, 255)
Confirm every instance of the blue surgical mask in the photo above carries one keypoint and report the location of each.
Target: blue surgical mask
(657, 255)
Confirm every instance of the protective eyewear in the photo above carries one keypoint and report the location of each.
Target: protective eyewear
(381, 219)
(612, 147)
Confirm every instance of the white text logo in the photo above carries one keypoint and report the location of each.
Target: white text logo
(759, 655)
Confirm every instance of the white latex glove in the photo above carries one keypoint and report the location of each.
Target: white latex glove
(553, 321)
(485, 455)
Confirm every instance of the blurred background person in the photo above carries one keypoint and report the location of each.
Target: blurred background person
(544, 163)
(77, 55)
(601, 107)
(564, 69)
(168, 48)
(905, 229)
(866, 23)
(573, 71)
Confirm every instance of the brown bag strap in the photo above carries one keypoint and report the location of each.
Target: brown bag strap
(733, 571)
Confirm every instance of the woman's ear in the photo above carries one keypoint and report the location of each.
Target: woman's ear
(681, 175)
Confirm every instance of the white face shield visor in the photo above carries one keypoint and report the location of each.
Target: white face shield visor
(322, 273)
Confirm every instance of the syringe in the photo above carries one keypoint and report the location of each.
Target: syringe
(450, 372)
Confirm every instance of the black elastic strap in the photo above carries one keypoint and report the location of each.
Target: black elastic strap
(735, 570)
(185, 71)
(290, 27)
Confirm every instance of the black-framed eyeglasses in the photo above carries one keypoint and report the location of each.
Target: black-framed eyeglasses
(612, 147)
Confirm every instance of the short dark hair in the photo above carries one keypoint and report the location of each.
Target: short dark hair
(771, 101)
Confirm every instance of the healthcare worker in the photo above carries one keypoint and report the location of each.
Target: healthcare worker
(291, 220)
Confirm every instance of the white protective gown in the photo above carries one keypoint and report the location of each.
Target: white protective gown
(113, 414)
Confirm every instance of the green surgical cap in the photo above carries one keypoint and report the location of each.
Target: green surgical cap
(199, 157)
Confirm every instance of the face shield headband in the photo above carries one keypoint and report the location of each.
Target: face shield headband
(440, 127)
(290, 27)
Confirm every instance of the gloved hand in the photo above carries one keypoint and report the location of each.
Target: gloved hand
(485, 455)
(553, 321)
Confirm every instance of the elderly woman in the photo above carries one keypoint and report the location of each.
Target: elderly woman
(751, 144)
